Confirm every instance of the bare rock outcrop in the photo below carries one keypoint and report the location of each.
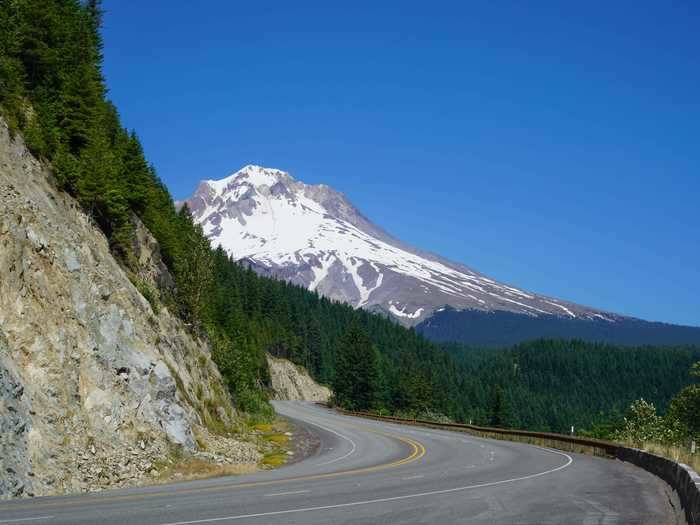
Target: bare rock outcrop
(95, 385)
(290, 381)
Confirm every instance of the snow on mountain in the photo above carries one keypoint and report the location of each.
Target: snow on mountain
(312, 236)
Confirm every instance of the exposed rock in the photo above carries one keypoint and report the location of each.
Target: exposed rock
(290, 381)
(152, 270)
(15, 472)
(223, 449)
(95, 386)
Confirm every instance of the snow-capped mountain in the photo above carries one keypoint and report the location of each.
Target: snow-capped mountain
(312, 236)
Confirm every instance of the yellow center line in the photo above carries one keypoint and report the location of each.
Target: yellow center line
(417, 452)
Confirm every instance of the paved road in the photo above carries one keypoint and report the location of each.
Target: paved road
(369, 472)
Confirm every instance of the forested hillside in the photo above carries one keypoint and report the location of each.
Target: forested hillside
(248, 314)
(53, 93)
(551, 385)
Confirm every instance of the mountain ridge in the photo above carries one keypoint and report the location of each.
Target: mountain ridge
(504, 329)
(312, 235)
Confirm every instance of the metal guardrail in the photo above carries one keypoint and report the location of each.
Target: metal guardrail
(607, 448)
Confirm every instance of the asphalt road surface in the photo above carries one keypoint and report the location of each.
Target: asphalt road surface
(371, 472)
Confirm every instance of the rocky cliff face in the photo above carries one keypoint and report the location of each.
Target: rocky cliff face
(95, 386)
(293, 382)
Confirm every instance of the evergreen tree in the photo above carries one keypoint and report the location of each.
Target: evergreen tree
(500, 409)
(684, 409)
(357, 375)
(193, 269)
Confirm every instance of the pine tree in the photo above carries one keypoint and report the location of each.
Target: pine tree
(500, 409)
(194, 269)
(314, 345)
(357, 375)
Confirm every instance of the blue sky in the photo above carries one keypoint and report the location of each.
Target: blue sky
(550, 145)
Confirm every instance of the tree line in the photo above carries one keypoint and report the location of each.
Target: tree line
(550, 385)
(642, 424)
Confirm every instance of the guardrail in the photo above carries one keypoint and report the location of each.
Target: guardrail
(681, 478)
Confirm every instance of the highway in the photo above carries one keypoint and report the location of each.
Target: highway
(371, 472)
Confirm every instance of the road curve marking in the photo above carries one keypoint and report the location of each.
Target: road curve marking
(19, 520)
(352, 443)
(417, 452)
(381, 500)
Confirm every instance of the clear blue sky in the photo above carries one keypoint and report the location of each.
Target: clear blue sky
(551, 145)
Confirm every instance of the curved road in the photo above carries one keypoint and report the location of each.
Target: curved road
(368, 472)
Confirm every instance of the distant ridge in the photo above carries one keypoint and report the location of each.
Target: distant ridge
(490, 329)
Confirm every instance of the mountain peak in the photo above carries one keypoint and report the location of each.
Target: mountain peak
(252, 174)
(313, 236)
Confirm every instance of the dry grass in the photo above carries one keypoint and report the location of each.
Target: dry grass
(677, 454)
(191, 469)
(263, 427)
(282, 425)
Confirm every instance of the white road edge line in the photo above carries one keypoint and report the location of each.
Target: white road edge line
(352, 443)
(383, 500)
(18, 520)
(286, 493)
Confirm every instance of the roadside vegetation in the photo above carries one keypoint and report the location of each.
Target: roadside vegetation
(275, 440)
(675, 435)
(191, 468)
(552, 385)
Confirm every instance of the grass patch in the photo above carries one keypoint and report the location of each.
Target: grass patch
(200, 439)
(213, 423)
(149, 294)
(194, 468)
(278, 439)
(274, 440)
(180, 385)
(273, 459)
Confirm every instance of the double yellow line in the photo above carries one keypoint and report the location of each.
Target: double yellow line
(417, 452)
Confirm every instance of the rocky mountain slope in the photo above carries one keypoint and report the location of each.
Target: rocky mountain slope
(293, 382)
(312, 236)
(96, 386)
